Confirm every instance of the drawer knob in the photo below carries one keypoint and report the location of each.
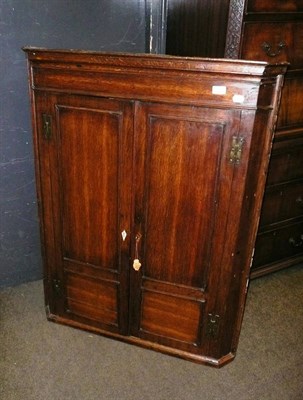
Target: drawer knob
(268, 48)
(296, 243)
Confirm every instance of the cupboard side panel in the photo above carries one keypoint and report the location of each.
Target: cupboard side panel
(44, 160)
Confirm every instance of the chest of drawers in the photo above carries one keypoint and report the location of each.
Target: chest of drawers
(273, 31)
(269, 30)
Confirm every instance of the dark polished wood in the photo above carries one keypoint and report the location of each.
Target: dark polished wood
(278, 41)
(274, 5)
(196, 27)
(273, 31)
(147, 173)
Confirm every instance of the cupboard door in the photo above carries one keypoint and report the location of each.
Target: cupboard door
(85, 180)
(183, 179)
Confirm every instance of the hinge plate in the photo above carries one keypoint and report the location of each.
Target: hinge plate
(212, 328)
(236, 149)
(47, 126)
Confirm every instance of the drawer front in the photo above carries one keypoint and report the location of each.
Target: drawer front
(286, 162)
(273, 42)
(274, 5)
(281, 203)
(291, 107)
(279, 244)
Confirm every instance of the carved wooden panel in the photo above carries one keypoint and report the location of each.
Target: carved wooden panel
(234, 29)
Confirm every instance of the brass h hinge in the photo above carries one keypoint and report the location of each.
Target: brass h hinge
(47, 126)
(236, 149)
(212, 328)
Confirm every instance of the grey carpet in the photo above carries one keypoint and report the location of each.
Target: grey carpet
(45, 361)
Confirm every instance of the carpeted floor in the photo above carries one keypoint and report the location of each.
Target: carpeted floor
(45, 361)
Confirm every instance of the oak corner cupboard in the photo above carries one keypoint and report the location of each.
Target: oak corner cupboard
(150, 176)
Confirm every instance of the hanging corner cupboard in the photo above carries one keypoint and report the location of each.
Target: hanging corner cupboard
(150, 177)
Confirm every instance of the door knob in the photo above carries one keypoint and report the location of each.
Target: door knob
(136, 264)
